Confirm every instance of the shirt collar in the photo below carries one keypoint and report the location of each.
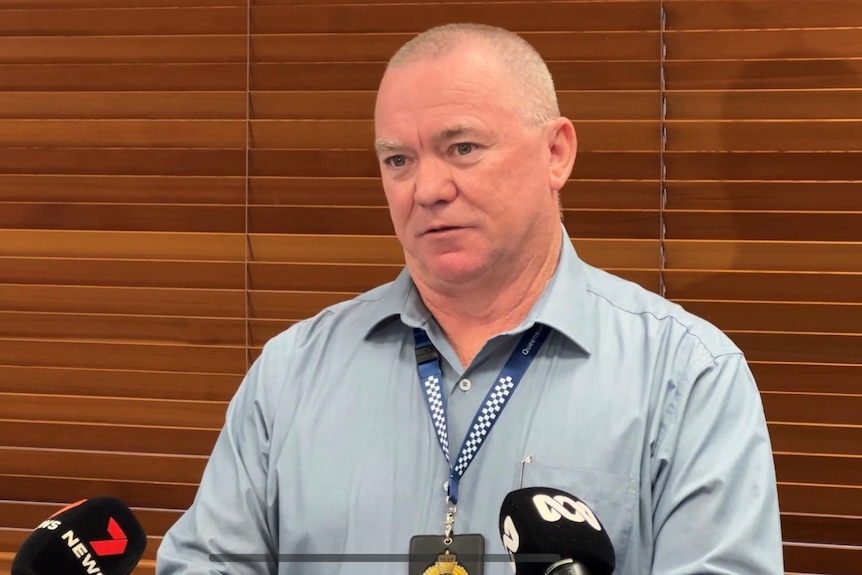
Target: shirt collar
(563, 305)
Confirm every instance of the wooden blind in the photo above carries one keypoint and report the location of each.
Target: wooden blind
(763, 234)
(122, 251)
(182, 179)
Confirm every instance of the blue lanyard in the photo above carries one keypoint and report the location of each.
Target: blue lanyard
(430, 375)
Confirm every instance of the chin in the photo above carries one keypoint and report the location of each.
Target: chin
(456, 270)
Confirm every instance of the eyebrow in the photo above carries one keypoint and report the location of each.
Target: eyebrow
(446, 134)
(382, 146)
(453, 132)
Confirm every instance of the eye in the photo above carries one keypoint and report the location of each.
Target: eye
(397, 161)
(464, 148)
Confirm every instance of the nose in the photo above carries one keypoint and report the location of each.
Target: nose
(433, 182)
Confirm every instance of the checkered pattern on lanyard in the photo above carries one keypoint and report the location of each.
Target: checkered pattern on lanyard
(430, 374)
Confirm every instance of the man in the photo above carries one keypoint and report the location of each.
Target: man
(334, 443)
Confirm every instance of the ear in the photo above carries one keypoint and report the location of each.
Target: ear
(563, 146)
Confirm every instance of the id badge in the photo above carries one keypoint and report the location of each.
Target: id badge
(429, 555)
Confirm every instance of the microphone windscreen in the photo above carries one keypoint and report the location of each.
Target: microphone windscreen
(98, 536)
(542, 521)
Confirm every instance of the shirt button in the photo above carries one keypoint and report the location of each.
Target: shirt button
(446, 486)
(465, 384)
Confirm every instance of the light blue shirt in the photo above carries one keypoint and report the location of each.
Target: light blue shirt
(644, 411)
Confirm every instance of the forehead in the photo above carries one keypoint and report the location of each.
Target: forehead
(466, 87)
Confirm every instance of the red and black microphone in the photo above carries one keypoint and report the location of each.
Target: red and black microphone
(98, 536)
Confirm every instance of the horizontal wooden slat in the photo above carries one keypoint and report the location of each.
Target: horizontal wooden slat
(111, 21)
(806, 348)
(764, 286)
(812, 378)
(359, 134)
(100, 465)
(123, 49)
(823, 529)
(763, 44)
(359, 104)
(367, 191)
(780, 317)
(837, 409)
(768, 135)
(151, 133)
(182, 358)
(113, 411)
(181, 302)
(811, 438)
(122, 162)
(764, 165)
(719, 14)
(123, 273)
(153, 189)
(834, 560)
(765, 105)
(631, 15)
(28, 515)
(123, 105)
(319, 277)
(112, 437)
(118, 77)
(820, 499)
(122, 328)
(812, 408)
(353, 47)
(161, 495)
(124, 217)
(754, 255)
(121, 245)
(819, 469)
(765, 194)
(816, 73)
(364, 164)
(89, 4)
(768, 226)
(40, 380)
(585, 75)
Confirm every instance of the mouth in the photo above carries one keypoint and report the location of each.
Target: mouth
(435, 230)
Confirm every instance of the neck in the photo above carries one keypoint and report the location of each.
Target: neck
(470, 315)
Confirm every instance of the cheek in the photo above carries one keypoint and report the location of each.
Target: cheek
(400, 202)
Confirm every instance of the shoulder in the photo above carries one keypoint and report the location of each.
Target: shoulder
(347, 321)
(645, 313)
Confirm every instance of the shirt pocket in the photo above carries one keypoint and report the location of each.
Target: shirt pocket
(612, 497)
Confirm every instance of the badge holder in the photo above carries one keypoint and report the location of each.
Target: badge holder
(448, 554)
(463, 556)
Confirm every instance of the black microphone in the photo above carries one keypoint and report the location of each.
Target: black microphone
(550, 532)
(98, 536)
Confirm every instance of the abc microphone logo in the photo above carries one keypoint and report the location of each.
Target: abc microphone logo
(554, 508)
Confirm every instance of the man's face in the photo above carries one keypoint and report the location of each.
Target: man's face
(466, 181)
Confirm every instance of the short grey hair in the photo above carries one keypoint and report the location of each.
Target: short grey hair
(535, 95)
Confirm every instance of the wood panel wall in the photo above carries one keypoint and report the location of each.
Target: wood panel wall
(182, 179)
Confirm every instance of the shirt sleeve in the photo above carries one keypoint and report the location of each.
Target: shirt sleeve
(715, 493)
(227, 529)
